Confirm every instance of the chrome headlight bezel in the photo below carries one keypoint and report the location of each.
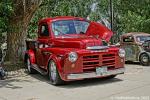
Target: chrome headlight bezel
(121, 53)
(72, 56)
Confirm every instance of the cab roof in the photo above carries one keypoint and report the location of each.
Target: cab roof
(50, 19)
(136, 34)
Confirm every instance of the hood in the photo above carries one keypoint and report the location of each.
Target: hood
(93, 37)
(77, 41)
(99, 31)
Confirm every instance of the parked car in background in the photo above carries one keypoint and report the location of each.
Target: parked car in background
(137, 47)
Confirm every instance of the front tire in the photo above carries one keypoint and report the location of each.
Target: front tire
(145, 59)
(54, 76)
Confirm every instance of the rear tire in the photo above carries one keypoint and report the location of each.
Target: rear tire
(29, 67)
(53, 74)
(144, 59)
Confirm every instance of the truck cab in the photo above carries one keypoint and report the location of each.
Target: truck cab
(73, 48)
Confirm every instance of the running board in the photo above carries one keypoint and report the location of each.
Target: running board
(40, 70)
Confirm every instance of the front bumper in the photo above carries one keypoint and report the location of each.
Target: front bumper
(94, 74)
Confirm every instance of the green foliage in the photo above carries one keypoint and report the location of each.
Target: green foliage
(69, 8)
(5, 11)
(129, 15)
(52, 8)
(133, 15)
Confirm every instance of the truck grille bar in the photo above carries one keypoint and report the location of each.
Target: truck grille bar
(108, 60)
(90, 62)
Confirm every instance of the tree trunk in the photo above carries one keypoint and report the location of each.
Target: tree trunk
(16, 41)
(18, 24)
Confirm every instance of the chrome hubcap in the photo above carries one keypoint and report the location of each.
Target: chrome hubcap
(145, 59)
(53, 71)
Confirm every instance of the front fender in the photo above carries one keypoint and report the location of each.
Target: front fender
(57, 60)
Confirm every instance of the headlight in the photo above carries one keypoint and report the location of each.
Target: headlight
(122, 53)
(73, 56)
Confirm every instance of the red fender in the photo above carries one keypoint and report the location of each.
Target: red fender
(59, 67)
(31, 54)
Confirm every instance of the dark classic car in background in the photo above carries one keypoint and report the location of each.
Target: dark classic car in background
(137, 47)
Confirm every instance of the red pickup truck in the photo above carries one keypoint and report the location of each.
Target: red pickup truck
(73, 48)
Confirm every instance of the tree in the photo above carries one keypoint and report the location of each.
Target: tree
(52, 8)
(132, 15)
(129, 16)
(19, 19)
(5, 11)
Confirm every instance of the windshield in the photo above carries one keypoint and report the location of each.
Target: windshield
(143, 38)
(64, 27)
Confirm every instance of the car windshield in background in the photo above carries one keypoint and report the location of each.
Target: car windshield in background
(142, 38)
(64, 27)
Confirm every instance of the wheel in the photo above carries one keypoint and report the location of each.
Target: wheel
(29, 67)
(145, 59)
(2, 74)
(53, 74)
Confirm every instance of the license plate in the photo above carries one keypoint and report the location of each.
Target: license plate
(101, 70)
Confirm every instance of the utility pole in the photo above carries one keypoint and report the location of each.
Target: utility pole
(111, 19)
(111, 14)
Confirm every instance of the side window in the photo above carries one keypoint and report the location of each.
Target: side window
(145, 44)
(128, 39)
(44, 30)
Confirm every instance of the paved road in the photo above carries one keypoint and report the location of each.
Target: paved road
(133, 85)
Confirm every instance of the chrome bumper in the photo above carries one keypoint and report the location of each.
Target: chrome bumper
(94, 74)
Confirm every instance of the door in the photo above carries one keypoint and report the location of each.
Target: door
(131, 48)
(43, 40)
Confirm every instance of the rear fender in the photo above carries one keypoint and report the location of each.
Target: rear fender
(30, 53)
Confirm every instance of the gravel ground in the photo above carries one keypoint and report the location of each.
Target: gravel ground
(133, 85)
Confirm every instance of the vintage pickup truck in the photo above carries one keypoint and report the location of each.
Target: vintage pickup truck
(72, 48)
(137, 47)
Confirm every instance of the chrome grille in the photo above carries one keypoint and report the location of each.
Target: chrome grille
(90, 63)
(108, 60)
